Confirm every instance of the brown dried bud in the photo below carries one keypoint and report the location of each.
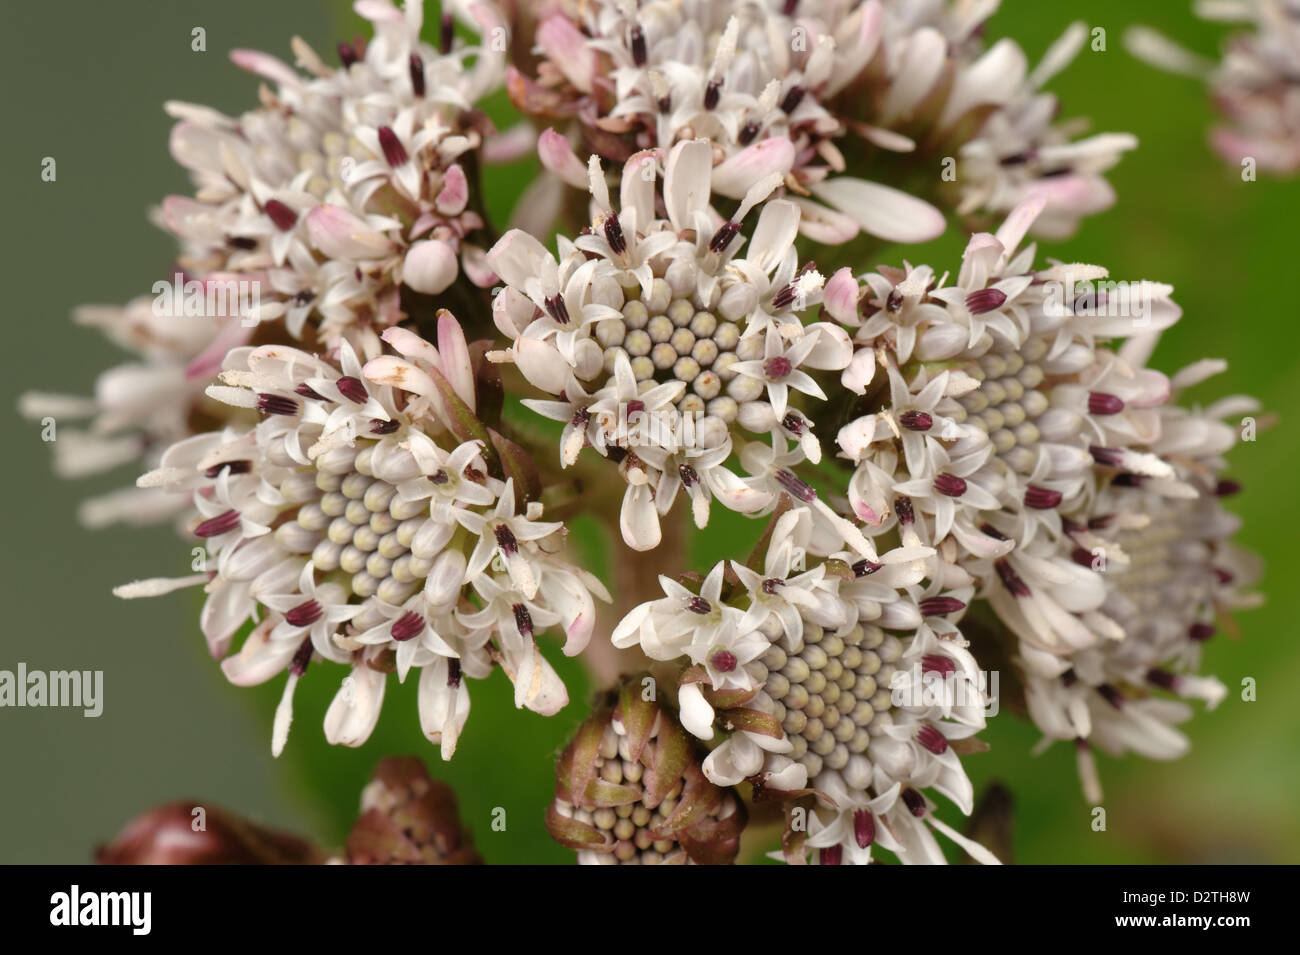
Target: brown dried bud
(409, 819)
(630, 789)
(191, 833)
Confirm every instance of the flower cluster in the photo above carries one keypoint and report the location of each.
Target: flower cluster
(347, 533)
(379, 455)
(811, 90)
(663, 319)
(1254, 85)
(1051, 472)
(347, 185)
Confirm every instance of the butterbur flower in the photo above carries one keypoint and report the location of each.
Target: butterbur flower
(348, 183)
(1253, 85)
(629, 790)
(663, 321)
(340, 522)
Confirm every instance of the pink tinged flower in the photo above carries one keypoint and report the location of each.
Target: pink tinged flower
(352, 715)
(880, 210)
(339, 234)
(840, 298)
(430, 266)
(825, 225)
(567, 49)
(734, 176)
(454, 194)
(856, 41)
(557, 156)
(992, 79)
(264, 65)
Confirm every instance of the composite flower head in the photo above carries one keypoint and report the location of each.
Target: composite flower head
(664, 341)
(1016, 414)
(813, 680)
(347, 185)
(351, 526)
(1253, 85)
(629, 789)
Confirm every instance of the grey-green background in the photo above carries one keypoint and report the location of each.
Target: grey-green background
(84, 83)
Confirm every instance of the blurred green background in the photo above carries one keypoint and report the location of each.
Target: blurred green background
(85, 82)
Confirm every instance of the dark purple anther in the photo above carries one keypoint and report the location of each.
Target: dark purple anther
(281, 215)
(698, 605)
(932, 739)
(1101, 403)
(865, 568)
(914, 801)
(614, 235)
(916, 421)
(301, 657)
(523, 620)
(383, 427)
(347, 55)
(949, 484)
(797, 488)
(1107, 456)
(1111, 695)
(777, 368)
(1010, 579)
(1083, 557)
(506, 540)
(556, 308)
(990, 531)
(722, 238)
(903, 508)
(938, 663)
(447, 33)
(394, 152)
(216, 526)
(938, 606)
(864, 828)
(276, 404)
(305, 614)
(1163, 679)
(407, 626)
(1041, 498)
(711, 93)
(985, 300)
(352, 389)
(793, 98)
(417, 74)
(724, 661)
